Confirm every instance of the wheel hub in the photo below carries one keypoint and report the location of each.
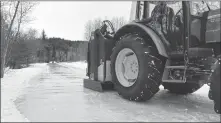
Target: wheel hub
(126, 67)
(131, 67)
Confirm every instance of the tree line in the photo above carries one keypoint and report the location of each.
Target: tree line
(20, 48)
(59, 50)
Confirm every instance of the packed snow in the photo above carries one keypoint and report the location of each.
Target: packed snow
(12, 85)
(55, 92)
(72, 65)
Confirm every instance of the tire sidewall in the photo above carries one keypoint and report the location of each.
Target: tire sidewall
(138, 48)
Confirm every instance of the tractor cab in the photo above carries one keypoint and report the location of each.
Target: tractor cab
(170, 26)
(184, 27)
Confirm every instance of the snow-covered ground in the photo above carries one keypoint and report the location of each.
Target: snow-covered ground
(12, 85)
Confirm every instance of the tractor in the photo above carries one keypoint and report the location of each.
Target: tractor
(178, 49)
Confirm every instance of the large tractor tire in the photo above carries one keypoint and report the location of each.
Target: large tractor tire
(182, 88)
(136, 68)
(215, 85)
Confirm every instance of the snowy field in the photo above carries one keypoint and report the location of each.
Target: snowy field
(54, 92)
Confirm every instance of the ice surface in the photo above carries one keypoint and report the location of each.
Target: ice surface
(57, 94)
(12, 85)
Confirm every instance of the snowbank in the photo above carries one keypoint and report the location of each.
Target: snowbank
(11, 87)
(80, 64)
(203, 91)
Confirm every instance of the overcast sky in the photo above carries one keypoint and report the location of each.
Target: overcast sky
(66, 19)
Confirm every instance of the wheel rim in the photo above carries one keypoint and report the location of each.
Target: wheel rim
(126, 67)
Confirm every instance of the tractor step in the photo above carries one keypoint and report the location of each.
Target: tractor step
(97, 85)
(174, 81)
(175, 67)
(182, 67)
(193, 53)
(182, 81)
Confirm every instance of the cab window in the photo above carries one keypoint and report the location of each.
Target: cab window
(200, 7)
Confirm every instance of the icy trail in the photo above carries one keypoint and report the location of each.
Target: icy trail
(57, 94)
(54, 92)
(12, 85)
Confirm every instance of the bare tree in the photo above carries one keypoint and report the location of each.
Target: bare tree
(24, 9)
(14, 14)
(2, 40)
(97, 23)
(88, 30)
(118, 22)
(43, 35)
(31, 34)
(92, 25)
(6, 41)
(23, 17)
(201, 6)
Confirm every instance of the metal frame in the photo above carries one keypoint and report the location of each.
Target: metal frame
(135, 10)
(187, 32)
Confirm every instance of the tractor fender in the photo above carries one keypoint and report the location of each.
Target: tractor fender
(131, 27)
